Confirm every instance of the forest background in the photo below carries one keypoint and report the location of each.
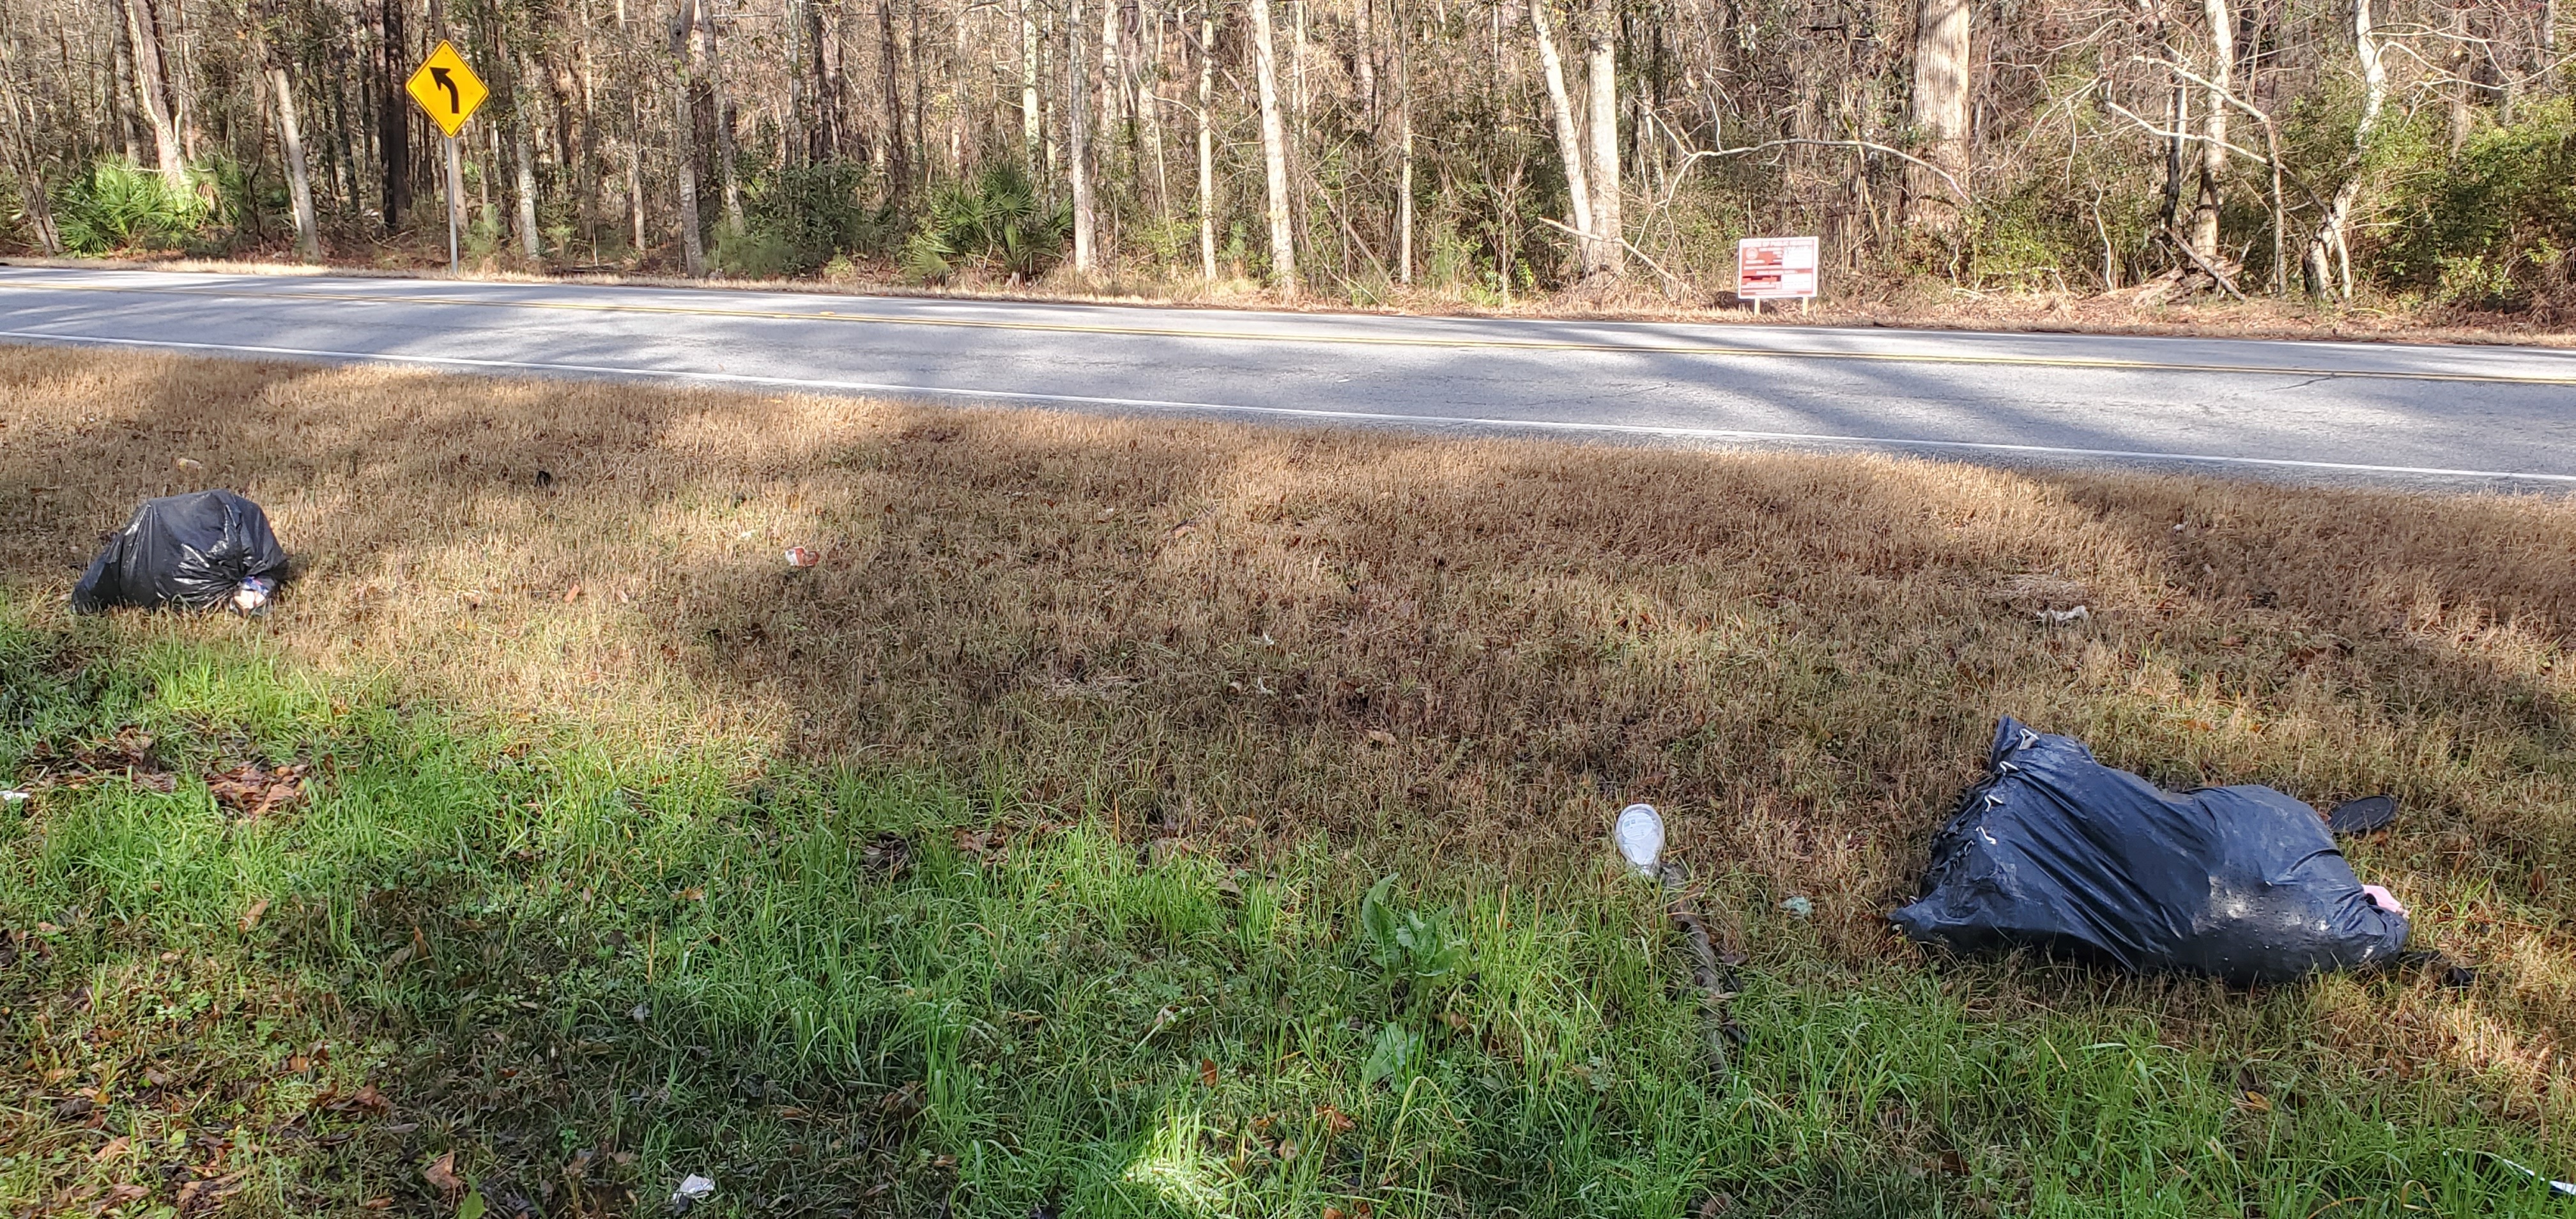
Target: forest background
(2410, 158)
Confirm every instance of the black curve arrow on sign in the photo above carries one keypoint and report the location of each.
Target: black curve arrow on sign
(455, 105)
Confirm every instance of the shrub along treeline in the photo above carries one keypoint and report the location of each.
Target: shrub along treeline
(2415, 152)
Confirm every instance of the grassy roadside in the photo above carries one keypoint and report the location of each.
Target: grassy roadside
(568, 971)
(1188, 691)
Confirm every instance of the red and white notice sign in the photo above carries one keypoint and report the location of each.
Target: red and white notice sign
(1775, 268)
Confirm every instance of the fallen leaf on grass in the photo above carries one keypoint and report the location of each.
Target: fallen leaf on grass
(255, 792)
(121, 1195)
(366, 1099)
(115, 1147)
(250, 921)
(441, 1173)
(1207, 1072)
(1335, 1121)
(204, 1195)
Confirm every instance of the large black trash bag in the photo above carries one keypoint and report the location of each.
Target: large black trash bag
(187, 551)
(2056, 851)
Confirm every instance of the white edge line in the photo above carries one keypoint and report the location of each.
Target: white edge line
(1555, 425)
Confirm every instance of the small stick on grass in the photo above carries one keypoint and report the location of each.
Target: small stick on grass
(1715, 981)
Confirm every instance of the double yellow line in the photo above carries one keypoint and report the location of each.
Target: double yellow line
(1347, 340)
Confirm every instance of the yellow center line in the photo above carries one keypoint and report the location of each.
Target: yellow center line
(1349, 340)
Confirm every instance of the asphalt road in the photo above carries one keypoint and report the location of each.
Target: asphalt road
(2474, 418)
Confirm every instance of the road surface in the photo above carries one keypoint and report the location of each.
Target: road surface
(2483, 418)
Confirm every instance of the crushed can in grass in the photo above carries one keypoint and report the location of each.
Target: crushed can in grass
(693, 1190)
(798, 556)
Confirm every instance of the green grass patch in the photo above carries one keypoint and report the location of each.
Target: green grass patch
(528, 970)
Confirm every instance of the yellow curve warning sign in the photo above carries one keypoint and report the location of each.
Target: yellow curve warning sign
(447, 89)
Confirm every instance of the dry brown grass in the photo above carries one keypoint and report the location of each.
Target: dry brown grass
(1467, 648)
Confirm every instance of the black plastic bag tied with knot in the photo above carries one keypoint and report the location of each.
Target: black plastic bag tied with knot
(2056, 851)
(197, 551)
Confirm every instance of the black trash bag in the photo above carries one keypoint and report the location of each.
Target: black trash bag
(189, 551)
(2056, 851)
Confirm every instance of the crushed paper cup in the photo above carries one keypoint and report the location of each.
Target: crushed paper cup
(1640, 837)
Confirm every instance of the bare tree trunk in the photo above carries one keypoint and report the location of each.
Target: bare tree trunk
(393, 110)
(2213, 149)
(1148, 92)
(1404, 143)
(2461, 118)
(1569, 145)
(299, 187)
(152, 81)
(1606, 257)
(723, 116)
(1274, 150)
(30, 166)
(635, 184)
(523, 151)
(2330, 237)
(1364, 61)
(122, 92)
(684, 140)
(1077, 85)
(1940, 109)
(898, 165)
(1032, 135)
(2177, 113)
(1111, 68)
(830, 117)
(1207, 140)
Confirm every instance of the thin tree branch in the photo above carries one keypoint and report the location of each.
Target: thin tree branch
(1867, 145)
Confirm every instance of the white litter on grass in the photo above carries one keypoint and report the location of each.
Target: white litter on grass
(2063, 617)
(16, 797)
(2564, 1189)
(1803, 907)
(693, 1190)
(1640, 837)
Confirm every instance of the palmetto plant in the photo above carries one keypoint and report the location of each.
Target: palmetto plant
(994, 221)
(119, 205)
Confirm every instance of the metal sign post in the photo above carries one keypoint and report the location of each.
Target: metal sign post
(449, 92)
(455, 199)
